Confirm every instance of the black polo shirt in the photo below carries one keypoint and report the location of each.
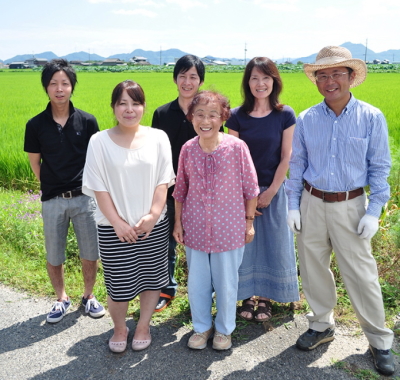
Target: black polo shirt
(62, 150)
(172, 120)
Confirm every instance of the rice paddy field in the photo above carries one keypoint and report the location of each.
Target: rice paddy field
(22, 97)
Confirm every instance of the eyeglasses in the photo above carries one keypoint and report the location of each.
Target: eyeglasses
(323, 77)
(202, 116)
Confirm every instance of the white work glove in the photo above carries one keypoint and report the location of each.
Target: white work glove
(293, 221)
(368, 227)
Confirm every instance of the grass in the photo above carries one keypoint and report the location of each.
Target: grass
(355, 371)
(22, 255)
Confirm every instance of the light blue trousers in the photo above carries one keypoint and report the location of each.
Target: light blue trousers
(208, 273)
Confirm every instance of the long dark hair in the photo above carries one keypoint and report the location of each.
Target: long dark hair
(266, 66)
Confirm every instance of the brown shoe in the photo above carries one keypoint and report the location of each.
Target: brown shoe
(221, 341)
(198, 341)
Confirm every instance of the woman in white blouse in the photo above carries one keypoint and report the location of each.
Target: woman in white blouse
(128, 170)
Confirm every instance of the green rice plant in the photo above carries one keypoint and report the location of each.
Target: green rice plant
(93, 94)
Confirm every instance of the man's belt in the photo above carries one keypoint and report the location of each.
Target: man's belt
(72, 193)
(333, 197)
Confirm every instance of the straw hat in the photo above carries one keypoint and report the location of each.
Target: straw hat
(336, 56)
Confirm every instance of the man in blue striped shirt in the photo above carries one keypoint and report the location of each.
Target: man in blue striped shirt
(339, 147)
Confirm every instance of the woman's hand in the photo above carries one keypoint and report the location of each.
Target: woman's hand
(265, 198)
(145, 225)
(178, 233)
(125, 232)
(250, 232)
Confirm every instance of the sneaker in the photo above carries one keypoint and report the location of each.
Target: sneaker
(221, 341)
(383, 361)
(312, 339)
(93, 307)
(58, 311)
(198, 341)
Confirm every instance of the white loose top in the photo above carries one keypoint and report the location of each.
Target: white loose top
(130, 176)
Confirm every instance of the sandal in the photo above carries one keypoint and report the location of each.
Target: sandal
(267, 310)
(246, 307)
(163, 302)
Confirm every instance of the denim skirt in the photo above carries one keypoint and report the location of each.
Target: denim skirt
(269, 264)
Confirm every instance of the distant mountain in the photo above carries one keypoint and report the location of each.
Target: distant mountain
(21, 58)
(170, 55)
(83, 56)
(154, 57)
(357, 51)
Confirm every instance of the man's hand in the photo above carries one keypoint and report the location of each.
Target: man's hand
(294, 221)
(368, 227)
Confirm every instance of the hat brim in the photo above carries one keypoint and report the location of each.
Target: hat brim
(358, 66)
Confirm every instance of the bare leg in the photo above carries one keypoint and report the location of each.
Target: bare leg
(148, 302)
(89, 270)
(118, 312)
(56, 274)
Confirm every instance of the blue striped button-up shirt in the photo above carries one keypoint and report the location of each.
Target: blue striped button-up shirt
(341, 153)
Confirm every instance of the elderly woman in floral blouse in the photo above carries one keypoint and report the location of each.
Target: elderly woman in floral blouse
(215, 199)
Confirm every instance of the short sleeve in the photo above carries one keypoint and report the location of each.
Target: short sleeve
(31, 141)
(92, 175)
(290, 117)
(249, 174)
(233, 122)
(182, 182)
(166, 171)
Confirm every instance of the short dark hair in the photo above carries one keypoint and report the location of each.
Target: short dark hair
(54, 66)
(205, 97)
(186, 62)
(133, 89)
(268, 67)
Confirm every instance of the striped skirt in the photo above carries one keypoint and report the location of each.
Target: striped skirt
(130, 269)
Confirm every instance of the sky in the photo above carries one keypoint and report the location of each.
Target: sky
(221, 28)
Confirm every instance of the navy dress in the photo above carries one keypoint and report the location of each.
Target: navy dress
(269, 264)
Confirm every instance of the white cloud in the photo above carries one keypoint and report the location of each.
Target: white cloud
(130, 12)
(141, 2)
(186, 4)
(278, 5)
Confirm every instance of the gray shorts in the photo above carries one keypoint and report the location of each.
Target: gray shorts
(57, 213)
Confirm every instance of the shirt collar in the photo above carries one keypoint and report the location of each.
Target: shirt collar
(349, 106)
(175, 105)
(71, 109)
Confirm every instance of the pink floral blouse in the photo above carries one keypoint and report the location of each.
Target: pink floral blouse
(213, 188)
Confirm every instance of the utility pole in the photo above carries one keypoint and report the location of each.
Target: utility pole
(366, 47)
(89, 55)
(245, 50)
(160, 55)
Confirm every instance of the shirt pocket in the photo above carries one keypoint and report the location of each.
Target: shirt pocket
(354, 150)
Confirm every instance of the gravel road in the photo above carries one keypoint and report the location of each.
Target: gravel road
(76, 348)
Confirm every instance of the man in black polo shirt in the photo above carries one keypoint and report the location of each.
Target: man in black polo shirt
(188, 74)
(56, 141)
